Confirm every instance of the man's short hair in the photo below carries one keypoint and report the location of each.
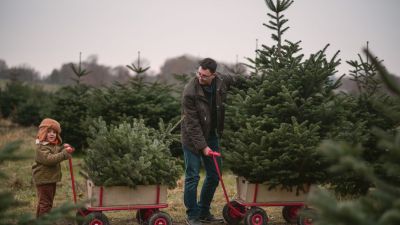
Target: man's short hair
(209, 64)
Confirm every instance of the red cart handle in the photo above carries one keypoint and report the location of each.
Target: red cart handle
(71, 171)
(212, 153)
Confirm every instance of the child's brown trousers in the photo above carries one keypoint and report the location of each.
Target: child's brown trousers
(45, 194)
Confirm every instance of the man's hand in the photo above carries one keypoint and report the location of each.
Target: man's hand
(208, 152)
(69, 148)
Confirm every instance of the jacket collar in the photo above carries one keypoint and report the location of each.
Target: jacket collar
(199, 91)
(41, 142)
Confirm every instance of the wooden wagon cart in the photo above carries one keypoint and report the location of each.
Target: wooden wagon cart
(251, 197)
(147, 200)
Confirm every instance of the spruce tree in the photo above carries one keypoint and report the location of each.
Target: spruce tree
(369, 116)
(131, 154)
(135, 99)
(380, 205)
(77, 106)
(22, 102)
(286, 108)
(69, 107)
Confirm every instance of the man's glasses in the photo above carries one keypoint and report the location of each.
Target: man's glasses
(204, 76)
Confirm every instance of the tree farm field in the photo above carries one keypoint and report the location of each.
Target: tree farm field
(42, 86)
(19, 182)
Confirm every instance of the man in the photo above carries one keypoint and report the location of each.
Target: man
(203, 121)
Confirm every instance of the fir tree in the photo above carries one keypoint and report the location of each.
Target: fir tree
(380, 206)
(77, 106)
(137, 68)
(22, 103)
(286, 108)
(368, 115)
(135, 99)
(69, 107)
(131, 154)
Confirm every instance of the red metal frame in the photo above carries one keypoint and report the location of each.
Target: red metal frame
(101, 208)
(255, 194)
(214, 155)
(158, 194)
(132, 207)
(248, 204)
(101, 196)
(270, 204)
(71, 171)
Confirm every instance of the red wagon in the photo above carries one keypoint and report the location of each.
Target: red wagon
(251, 197)
(146, 199)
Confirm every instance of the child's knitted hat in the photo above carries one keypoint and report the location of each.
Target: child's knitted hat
(45, 125)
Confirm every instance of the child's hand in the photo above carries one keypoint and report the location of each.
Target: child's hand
(69, 148)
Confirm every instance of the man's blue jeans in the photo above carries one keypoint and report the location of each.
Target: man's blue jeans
(193, 161)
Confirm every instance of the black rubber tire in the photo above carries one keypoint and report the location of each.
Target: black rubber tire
(256, 216)
(229, 214)
(143, 215)
(96, 218)
(79, 218)
(290, 213)
(304, 216)
(160, 218)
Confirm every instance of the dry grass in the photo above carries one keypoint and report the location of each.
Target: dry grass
(20, 183)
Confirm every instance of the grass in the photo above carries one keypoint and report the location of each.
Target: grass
(19, 182)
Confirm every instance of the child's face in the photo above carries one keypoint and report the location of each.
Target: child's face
(51, 135)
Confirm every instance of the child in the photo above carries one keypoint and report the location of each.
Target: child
(46, 171)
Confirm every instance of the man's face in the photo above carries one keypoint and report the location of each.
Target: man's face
(204, 76)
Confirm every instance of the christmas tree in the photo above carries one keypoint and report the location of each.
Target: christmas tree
(134, 99)
(78, 105)
(285, 109)
(131, 154)
(381, 204)
(69, 106)
(368, 116)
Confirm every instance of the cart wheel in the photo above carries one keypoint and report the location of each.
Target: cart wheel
(96, 218)
(305, 217)
(256, 216)
(80, 215)
(290, 213)
(143, 215)
(231, 216)
(160, 218)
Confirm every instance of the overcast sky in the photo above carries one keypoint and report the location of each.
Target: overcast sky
(47, 33)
